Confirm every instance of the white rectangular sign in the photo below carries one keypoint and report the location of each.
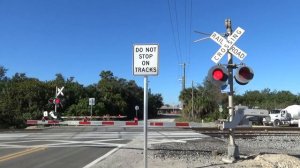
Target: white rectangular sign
(91, 101)
(45, 113)
(145, 59)
(240, 54)
(219, 54)
(235, 36)
(216, 37)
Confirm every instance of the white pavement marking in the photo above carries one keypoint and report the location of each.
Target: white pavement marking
(156, 141)
(90, 139)
(102, 157)
(169, 136)
(190, 139)
(93, 139)
(63, 143)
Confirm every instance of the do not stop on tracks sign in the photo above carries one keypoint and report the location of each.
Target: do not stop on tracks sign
(145, 63)
(145, 59)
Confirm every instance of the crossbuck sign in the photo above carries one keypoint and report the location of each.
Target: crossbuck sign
(59, 91)
(227, 45)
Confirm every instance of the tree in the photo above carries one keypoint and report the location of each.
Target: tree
(205, 103)
(81, 108)
(106, 75)
(21, 98)
(73, 93)
(155, 102)
(120, 96)
(2, 73)
(267, 99)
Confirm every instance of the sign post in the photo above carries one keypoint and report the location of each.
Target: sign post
(145, 121)
(145, 63)
(233, 150)
(136, 109)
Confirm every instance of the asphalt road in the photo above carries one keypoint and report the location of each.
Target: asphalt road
(72, 147)
(67, 147)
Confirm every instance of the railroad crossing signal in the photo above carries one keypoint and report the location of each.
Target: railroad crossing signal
(57, 101)
(218, 75)
(50, 101)
(54, 101)
(227, 45)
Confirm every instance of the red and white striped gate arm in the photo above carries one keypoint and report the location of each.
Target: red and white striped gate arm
(114, 123)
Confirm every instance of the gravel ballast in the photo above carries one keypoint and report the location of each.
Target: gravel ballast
(261, 151)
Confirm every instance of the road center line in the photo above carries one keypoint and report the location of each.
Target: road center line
(21, 153)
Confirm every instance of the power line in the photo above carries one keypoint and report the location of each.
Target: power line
(181, 32)
(185, 30)
(190, 35)
(173, 31)
(177, 29)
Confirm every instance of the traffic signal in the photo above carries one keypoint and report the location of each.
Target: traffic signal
(54, 101)
(243, 75)
(218, 75)
(57, 101)
(50, 101)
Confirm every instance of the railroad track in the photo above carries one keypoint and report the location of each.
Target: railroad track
(251, 131)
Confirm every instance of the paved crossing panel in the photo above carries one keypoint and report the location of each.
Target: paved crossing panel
(91, 138)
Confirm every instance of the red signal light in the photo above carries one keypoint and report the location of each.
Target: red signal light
(50, 101)
(57, 101)
(243, 75)
(218, 75)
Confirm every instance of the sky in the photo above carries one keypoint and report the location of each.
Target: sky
(81, 38)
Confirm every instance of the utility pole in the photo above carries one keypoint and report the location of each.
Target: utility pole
(233, 150)
(183, 77)
(55, 105)
(193, 99)
(183, 81)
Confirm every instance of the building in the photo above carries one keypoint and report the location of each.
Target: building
(170, 109)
